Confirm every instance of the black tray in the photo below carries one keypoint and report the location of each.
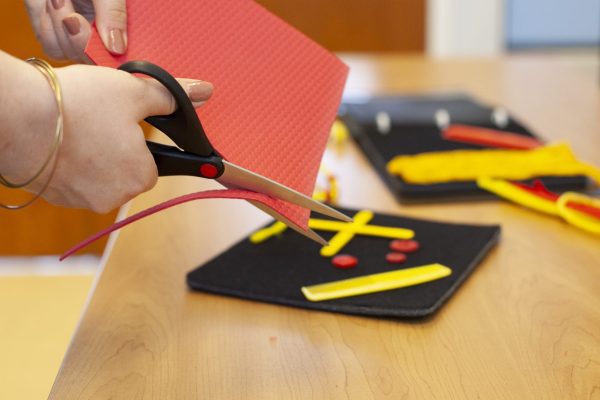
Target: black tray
(275, 270)
(413, 131)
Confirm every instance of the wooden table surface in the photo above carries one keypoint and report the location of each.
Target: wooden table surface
(525, 325)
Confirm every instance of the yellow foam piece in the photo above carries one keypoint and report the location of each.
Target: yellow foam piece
(376, 282)
(559, 207)
(508, 191)
(38, 315)
(579, 219)
(266, 233)
(345, 231)
(339, 132)
(468, 165)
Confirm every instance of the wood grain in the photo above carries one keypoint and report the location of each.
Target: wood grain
(525, 325)
(357, 25)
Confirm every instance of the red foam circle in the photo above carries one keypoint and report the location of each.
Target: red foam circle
(404, 246)
(344, 261)
(395, 258)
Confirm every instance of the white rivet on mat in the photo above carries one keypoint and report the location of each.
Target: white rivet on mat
(500, 117)
(442, 118)
(384, 122)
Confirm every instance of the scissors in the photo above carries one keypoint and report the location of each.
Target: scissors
(195, 156)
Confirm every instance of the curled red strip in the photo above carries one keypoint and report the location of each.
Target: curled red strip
(209, 194)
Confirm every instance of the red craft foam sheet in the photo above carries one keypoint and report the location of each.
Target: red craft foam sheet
(276, 92)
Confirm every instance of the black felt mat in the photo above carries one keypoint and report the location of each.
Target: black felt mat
(414, 131)
(275, 270)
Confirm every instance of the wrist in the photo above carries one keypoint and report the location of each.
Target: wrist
(30, 114)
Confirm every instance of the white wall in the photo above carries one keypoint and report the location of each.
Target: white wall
(553, 23)
(465, 28)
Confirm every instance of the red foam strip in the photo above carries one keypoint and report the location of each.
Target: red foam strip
(538, 189)
(209, 194)
(489, 137)
(584, 208)
(276, 92)
(542, 191)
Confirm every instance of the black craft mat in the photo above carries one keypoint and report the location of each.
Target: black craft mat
(414, 131)
(275, 270)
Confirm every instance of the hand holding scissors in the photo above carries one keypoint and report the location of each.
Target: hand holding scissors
(195, 156)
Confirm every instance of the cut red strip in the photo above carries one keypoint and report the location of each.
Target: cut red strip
(209, 194)
(489, 137)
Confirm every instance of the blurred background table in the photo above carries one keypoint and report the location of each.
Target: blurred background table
(526, 324)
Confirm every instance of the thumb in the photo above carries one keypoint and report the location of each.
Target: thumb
(159, 101)
(111, 19)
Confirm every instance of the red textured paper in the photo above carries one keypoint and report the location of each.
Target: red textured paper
(276, 92)
(209, 194)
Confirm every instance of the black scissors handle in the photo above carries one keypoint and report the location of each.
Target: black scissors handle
(198, 157)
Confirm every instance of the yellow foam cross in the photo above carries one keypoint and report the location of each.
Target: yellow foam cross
(345, 231)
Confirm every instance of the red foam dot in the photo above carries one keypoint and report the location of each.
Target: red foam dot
(395, 258)
(208, 170)
(405, 246)
(344, 261)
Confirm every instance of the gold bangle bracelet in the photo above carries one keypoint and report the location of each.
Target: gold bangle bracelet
(50, 75)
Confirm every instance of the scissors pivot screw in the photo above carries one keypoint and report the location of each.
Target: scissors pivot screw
(208, 171)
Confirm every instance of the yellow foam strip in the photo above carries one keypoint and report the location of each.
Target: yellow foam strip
(577, 218)
(268, 232)
(468, 165)
(367, 230)
(320, 195)
(340, 239)
(508, 191)
(345, 231)
(339, 132)
(376, 282)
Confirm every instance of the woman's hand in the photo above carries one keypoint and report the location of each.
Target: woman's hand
(103, 161)
(63, 26)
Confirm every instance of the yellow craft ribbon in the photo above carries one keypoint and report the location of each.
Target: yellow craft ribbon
(558, 208)
(329, 193)
(508, 191)
(577, 218)
(376, 282)
(468, 165)
(345, 231)
(266, 233)
(339, 133)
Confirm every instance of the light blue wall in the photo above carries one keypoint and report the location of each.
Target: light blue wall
(552, 22)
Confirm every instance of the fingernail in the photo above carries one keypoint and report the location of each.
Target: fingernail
(116, 41)
(57, 4)
(199, 91)
(72, 25)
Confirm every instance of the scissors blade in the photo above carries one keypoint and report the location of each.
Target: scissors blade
(309, 233)
(242, 178)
